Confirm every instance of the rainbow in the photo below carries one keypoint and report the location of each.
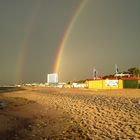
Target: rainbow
(66, 35)
(22, 56)
(21, 62)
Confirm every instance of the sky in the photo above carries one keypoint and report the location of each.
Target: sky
(102, 33)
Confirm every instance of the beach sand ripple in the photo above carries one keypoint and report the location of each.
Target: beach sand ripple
(82, 115)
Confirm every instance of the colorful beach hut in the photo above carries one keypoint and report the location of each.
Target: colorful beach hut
(112, 83)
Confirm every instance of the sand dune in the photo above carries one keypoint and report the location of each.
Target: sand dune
(76, 114)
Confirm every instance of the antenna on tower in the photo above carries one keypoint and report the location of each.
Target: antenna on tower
(94, 73)
(116, 69)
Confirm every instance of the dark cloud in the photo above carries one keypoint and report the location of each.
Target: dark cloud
(105, 33)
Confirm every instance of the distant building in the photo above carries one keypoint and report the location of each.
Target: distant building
(122, 75)
(79, 85)
(61, 85)
(52, 78)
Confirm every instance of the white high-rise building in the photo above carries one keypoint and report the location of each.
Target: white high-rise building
(52, 78)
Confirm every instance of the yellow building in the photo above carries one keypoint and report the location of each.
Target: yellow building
(105, 84)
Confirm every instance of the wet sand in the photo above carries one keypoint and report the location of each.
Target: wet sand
(51, 113)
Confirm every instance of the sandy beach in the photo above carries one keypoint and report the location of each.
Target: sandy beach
(52, 113)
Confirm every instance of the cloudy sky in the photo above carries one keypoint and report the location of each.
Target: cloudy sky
(105, 33)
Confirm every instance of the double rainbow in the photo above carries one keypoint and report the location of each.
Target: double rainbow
(23, 52)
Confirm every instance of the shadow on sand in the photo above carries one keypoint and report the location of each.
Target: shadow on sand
(10, 89)
(16, 116)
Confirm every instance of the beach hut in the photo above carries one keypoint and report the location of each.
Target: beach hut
(112, 84)
(130, 82)
(105, 84)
